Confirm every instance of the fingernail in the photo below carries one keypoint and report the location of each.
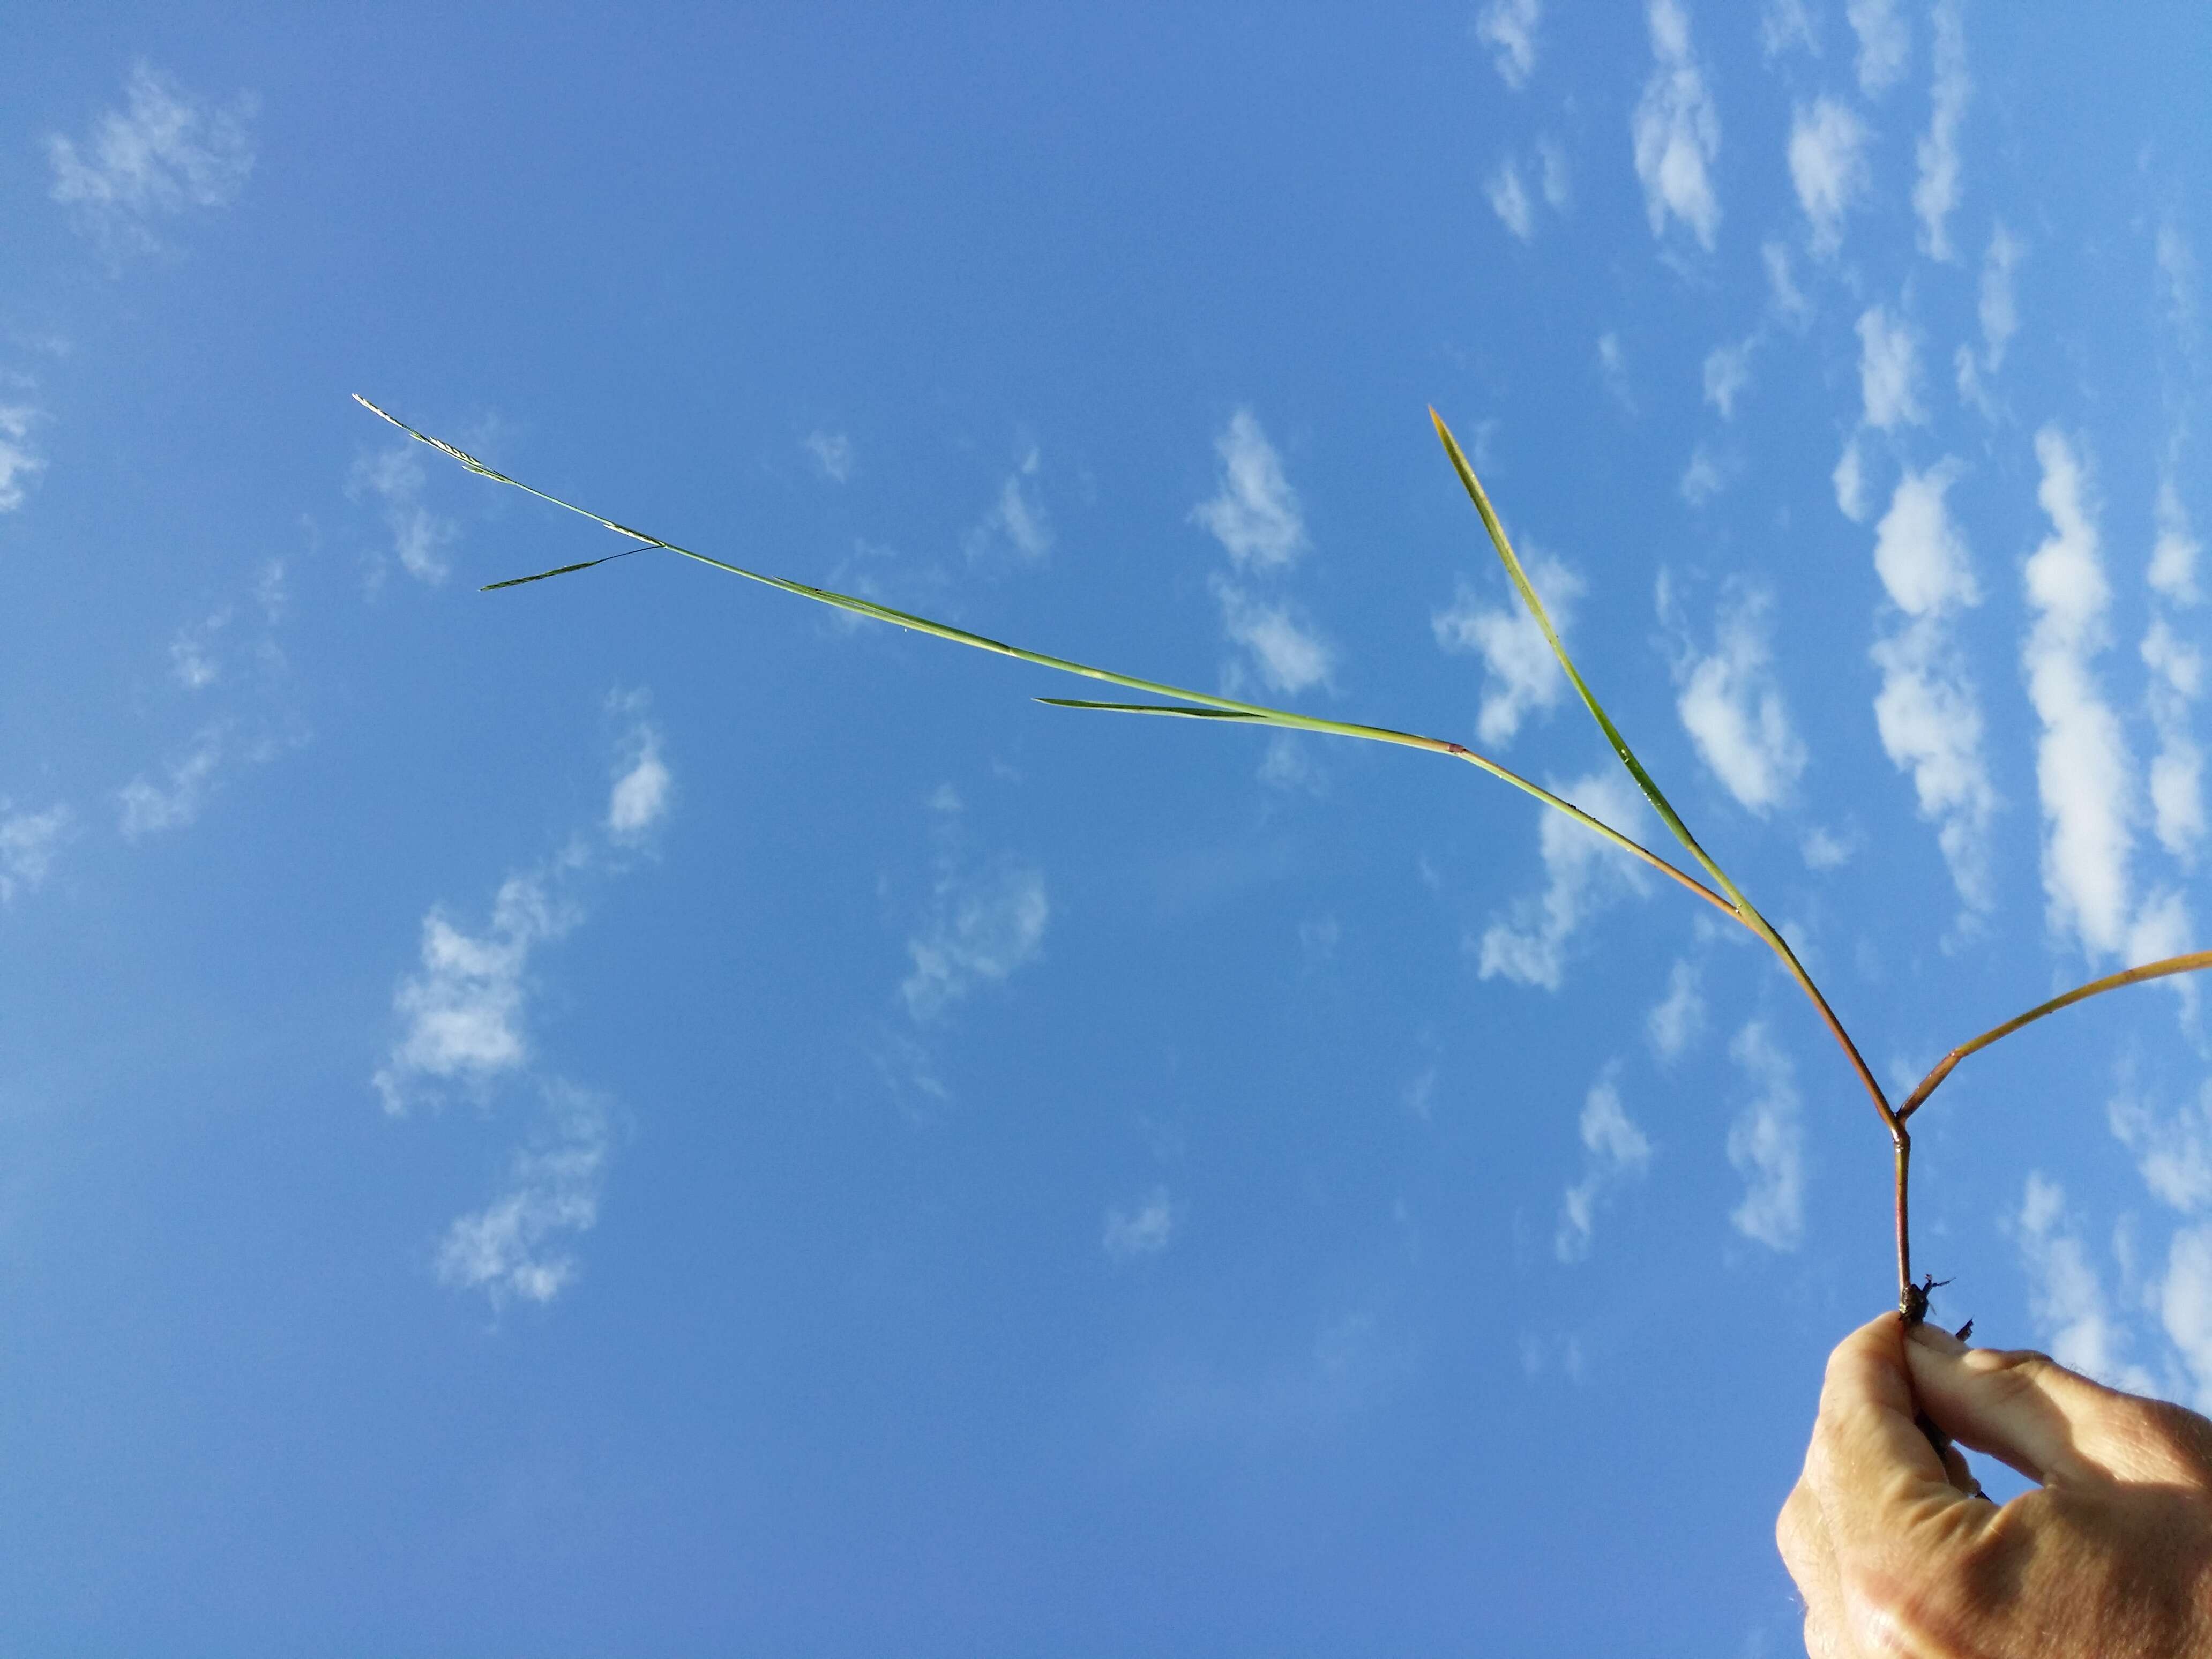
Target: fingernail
(1936, 1337)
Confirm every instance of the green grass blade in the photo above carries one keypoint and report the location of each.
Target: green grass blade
(1207, 705)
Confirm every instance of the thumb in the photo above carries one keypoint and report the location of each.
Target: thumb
(2023, 1408)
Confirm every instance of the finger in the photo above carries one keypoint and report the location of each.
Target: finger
(2050, 1424)
(1801, 1532)
(1876, 1475)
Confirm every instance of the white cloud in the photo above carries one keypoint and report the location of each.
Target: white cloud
(1936, 191)
(1927, 710)
(1728, 372)
(1508, 27)
(465, 1012)
(1704, 477)
(833, 454)
(2177, 771)
(1583, 874)
(1143, 1231)
(1676, 131)
(1677, 1019)
(1018, 519)
(1553, 158)
(982, 925)
(18, 464)
(1889, 370)
(27, 841)
(1613, 365)
(192, 653)
(2066, 1298)
(1786, 24)
(1509, 200)
(165, 153)
(1615, 1152)
(2174, 1153)
(2083, 769)
(1788, 299)
(1765, 1144)
(1849, 480)
(395, 479)
(1290, 656)
(642, 782)
(2184, 1305)
(149, 807)
(1732, 707)
(2173, 555)
(1255, 516)
(1521, 676)
(2000, 310)
(1885, 43)
(1828, 166)
(1824, 849)
(511, 1247)
(2176, 275)
(1288, 764)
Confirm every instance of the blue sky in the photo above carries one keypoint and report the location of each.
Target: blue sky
(637, 1115)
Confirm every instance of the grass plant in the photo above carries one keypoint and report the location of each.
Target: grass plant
(1723, 893)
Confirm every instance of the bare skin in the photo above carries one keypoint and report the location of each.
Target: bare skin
(1896, 1551)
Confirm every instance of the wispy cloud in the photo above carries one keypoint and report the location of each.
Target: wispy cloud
(1509, 29)
(1936, 191)
(1583, 874)
(2083, 769)
(2067, 1297)
(1787, 26)
(1706, 475)
(1615, 1152)
(1784, 297)
(1927, 710)
(19, 463)
(1016, 522)
(394, 479)
(28, 843)
(1889, 371)
(1144, 1231)
(1885, 43)
(1676, 1020)
(1675, 132)
(2000, 319)
(1828, 168)
(1849, 480)
(983, 921)
(2177, 682)
(516, 1245)
(1520, 674)
(1290, 654)
(2177, 279)
(642, 782)
(1255, 514)
(1765, 1143)
(1727, 373)
(173, 802)
(1613, 368)
(832, 452)
(162, 154)
(1731, 705)
(1509, 200)
(2172, 1152)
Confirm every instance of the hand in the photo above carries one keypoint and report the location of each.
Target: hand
(1896, 1551)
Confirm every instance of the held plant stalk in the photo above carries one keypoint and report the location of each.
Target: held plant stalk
(1723, 893)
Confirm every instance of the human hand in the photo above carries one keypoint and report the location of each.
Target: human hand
(1895, 1552)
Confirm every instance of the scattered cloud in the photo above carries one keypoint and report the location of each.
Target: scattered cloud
(1728, 372)
(2173, 1152)
(983, 922)
(1676, 131)
(833, 454)
(1787, 26)
(1255, 516)
(1828, 166)
(1731, 705)
(1551, 159)
(193, 655)
(2066, 1298)
(1678, 1019)
(2083, 769)
(2177, 682)
(1143, 1231)
(1849, 481)
(1885, 43)
(1520, 677)
(1928, 711)
(1936, 191)
(2184, 1306)
(162, 154)
(2177, 279)
(1765, 1144)
(1509, 29)
(1615, 1152)
(394, 479)
(1705, 477)
(2000, 309)
(1787, 298)
(1289, 654)
(1824, 849)
(642, 782)
(1613, 366)
(1016, 522)
(27, 844)
(512, 1247)
(1889, 371)
(1583, 874)
(1288, 764)
(149, 808)
(1509, 200)
(19, 464)
(2173, 555)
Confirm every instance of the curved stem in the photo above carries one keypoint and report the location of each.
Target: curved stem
(2149, 970)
